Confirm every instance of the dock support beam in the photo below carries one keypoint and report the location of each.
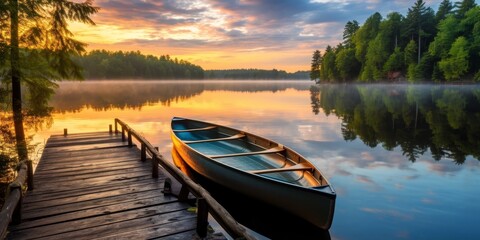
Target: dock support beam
(202, 217)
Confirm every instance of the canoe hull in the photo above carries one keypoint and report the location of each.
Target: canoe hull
(313, 205)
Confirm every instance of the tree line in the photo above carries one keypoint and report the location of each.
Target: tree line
(424, 45)
(254, 74)
(102, 64)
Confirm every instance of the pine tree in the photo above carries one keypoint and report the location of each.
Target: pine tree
(444, 9)
(461, 8)
(348, 32)
(39, 30)
(316, 63)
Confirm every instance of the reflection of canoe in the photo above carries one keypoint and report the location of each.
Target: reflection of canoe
(256, 167)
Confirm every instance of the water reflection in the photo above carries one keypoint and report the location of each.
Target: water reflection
(101, 96)
(270, 222)
(443, 119)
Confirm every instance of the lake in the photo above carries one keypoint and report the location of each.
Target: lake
(404, 159)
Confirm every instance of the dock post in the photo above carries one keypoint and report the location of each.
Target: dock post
(155, 166)
(116, 128)
(30, 175)
(123, 134)
(110, 129)
(143, 153)
(65, 132)
(202, 217)
(130, 144)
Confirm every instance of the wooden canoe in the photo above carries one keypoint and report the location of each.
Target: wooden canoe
(256, 167)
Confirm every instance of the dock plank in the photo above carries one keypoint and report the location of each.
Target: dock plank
(93, 185)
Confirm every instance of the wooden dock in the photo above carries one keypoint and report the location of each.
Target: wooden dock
(94, 186)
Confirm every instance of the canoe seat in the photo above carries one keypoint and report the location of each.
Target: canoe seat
(237, 136)
(296, 167)
(267, 151)
(194, 129)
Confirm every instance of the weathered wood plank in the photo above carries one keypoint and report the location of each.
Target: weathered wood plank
(93, 203)
(157, 231)
(84, 168)
(81, 164)
(82, 229)
(59, 157)
(48, 195)
(90, 146)
(98, 180)
(97, 195)
(88, 175)
(47, 153)
(85, 141)
(67, 187)
(112, 213)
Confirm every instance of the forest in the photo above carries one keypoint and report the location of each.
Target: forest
(254, 74)
(423, 46)
(102, 64)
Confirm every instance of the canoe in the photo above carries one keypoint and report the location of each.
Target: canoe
(257, 167)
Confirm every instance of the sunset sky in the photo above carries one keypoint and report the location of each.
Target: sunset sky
(228, 34)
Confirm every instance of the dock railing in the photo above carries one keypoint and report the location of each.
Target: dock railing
(12, 208)
(205, 202)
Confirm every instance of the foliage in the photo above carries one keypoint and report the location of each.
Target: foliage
(255, 74)
(102, 64)
(456, 64)
(315, 66)
(425, 39)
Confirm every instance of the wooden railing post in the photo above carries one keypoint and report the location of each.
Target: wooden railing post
(130, 144)
(30, 175)
(65, 132)
(123, 134)
(17, 213)
(143, 152)
(155, 164)
(202, 217)
(110, 129)
(116, 128)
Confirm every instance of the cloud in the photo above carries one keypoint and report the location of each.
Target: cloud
(295, 26)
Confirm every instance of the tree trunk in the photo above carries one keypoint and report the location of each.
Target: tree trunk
(16, 85)
(419, 46)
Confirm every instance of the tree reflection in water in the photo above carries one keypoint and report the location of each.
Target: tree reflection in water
(416, 118)
(36, 116)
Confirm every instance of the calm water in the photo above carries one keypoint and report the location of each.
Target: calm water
(404, 160)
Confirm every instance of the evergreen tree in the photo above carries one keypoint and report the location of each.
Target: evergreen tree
(444, 10)
(315, 67)
(420, 23)
(348, 32)
(41, 47)
(346, 63)
(461, 8)
(365, 34)
(328, 69)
